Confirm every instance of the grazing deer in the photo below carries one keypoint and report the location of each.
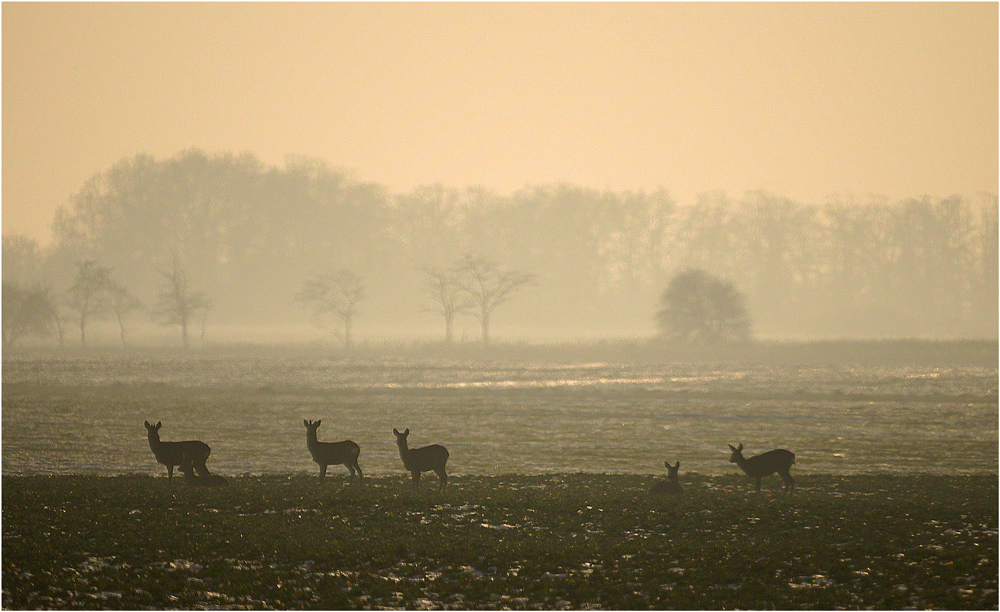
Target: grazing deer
(169, 453)
(670, 486)
(778, 460)
(210, 480)
(422, 459)
(331, 453)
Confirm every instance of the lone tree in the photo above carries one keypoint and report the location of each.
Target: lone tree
(177, 303)
(699, 307)
(89, 294)
(335, 294)
(445, 289)
(121, 302)
(488, 287)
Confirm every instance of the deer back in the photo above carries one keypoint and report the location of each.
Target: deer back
(765, 464)
(335, 452)
(426, 458)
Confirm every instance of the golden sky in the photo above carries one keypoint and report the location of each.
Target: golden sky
(803, 100)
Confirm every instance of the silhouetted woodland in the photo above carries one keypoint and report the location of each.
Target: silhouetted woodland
(249, 236)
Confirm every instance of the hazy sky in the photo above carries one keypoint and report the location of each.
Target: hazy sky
(803, 100)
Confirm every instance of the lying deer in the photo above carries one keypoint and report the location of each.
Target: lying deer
(778, 460)
(345, 452)
(169, 453)
(209, 480)
(422, 459)
(670, 486)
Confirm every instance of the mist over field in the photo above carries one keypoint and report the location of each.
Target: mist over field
(248, 238)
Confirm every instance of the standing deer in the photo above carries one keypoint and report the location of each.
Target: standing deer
(670, 486)
(170, 453)
(210, 480)
(422, 459)
(345, 452)
(778, 460)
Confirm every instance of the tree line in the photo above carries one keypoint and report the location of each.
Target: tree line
(253, 235)
(474, 285)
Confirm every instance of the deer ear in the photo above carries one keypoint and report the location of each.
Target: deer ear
(732, 448)
(740, 447)
(678, 466)
(159, 424)
(395, 431)
(318, 422)
(407, 432)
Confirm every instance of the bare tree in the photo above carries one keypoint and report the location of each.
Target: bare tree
(445, 288)
(121, 302)
(177, 303)
(336, 294)
(488, 287)
(88, 295)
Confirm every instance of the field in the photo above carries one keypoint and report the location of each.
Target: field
(547, 504)
(83, 414)
(555, 541)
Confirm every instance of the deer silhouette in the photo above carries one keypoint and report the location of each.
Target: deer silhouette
(170, 453)
(345, 452)
(670, 486)
(778, 460)
(210, 480)
(424, 459)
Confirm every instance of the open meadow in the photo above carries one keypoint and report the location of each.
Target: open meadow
(84, 413)
(547, 503)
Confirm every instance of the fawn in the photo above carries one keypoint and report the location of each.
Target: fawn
(778, 460)
(422, 459)
(345, 452)
(670, 486)
(209, 480)
(170, 453)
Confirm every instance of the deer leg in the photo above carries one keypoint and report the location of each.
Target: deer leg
(358, 468)
(322, 471)
(444, 478)
(789, 483)
(416, 480)
(170, 473)
(758, 485)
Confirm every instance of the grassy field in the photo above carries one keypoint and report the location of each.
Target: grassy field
(566, 541)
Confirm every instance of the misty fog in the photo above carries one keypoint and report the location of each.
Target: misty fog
(249, 235)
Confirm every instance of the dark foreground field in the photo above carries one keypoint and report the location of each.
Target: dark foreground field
(552, 542)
